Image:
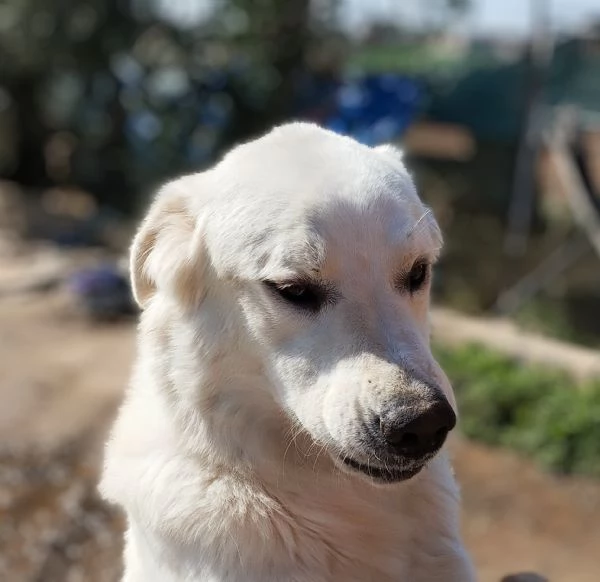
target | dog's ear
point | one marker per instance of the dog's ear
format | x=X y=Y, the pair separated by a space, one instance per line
x=167 y=254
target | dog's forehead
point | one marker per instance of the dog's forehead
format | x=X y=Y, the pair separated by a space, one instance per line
x=304 y=161
x=302 y=192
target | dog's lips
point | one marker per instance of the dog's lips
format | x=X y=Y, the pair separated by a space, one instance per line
x=384 y=475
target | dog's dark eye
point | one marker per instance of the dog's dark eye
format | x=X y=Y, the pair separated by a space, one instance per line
x=417 y=277
x=303 y=295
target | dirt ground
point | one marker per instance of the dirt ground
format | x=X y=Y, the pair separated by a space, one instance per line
x=61 y=380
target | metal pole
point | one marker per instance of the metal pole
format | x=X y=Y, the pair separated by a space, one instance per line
x=522 y=202
x=559 y=261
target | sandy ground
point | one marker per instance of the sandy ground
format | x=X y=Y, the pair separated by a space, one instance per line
x=61 y=380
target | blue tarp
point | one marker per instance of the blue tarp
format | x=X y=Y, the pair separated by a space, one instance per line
x=373 y=109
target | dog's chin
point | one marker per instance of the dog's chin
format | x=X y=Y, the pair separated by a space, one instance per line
x=381 y=475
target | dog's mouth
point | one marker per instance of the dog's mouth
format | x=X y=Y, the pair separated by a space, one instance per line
x=384 y=474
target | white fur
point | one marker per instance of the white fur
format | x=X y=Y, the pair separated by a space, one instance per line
x=226 y=453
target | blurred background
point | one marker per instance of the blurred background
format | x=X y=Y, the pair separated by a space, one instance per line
x=497 y=106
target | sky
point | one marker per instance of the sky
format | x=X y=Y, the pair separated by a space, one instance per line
x=495 y=17
x=487 y=17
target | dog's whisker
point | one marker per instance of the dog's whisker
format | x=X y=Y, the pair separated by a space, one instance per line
x=293 y=432
x=425 y=221
x=323 y=448
x=340 y=472
x=313 y=445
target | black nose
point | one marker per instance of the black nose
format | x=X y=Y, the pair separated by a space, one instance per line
x=416 y=433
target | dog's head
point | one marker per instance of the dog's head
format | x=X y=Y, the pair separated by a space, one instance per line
x=321 y=253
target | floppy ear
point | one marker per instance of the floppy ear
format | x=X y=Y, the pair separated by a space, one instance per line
x=167 y=254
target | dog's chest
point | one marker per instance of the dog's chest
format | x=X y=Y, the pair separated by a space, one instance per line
x=342 y=538
x=226 y=528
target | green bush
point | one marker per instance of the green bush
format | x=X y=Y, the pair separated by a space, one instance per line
x=535 y=410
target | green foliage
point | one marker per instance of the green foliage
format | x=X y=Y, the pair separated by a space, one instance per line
x=534 y=410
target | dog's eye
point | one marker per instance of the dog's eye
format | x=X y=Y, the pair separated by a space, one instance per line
x=302 y=295
x=417 y=277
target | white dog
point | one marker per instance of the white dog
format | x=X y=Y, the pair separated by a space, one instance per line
x=286 y=417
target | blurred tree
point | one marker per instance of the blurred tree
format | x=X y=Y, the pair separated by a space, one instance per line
x=281 y=28
x=139 y=89
x=53 y=58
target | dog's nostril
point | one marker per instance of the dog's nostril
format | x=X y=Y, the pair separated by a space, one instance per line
x=441 y=433
x=399 y=438
x=409 y=439
x=440 y=436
